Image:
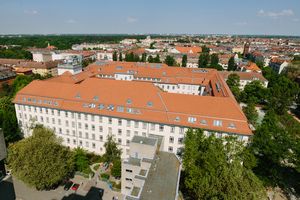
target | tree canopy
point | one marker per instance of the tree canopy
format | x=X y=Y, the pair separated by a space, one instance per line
x=233 y=83
x=218 y=168
x=170 y=61
x=184 y=60
x=40 y=160
x=231 y=64
x=112 y=152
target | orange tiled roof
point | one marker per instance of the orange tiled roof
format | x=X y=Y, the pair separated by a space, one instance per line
x=166 y=108
x=189 y=50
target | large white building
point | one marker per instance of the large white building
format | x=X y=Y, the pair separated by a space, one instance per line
x=84 y=109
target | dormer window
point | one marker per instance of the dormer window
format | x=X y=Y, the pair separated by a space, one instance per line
x=192 y=119
x=232 y=126
x=96 y=98
x=217 y=122
x=129 y=101
x=203 y=122
x=77 y=96
x=150 y=103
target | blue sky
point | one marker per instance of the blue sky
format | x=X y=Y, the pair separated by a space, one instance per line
x=276 y=17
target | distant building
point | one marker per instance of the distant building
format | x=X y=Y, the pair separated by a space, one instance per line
x=246 y=77
x=7 y=75
x=278 y=65
x=42 y=68
x=128 y=41
x=149 y=173
x=71 y=64
x=246 y=50
x=105 y=55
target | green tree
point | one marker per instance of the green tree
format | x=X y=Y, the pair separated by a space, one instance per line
x=170 y=61
x=112 y=152
x=283 y=92
x=214 y=169
x=150 y=59
x=205 y=49
x=81 y=159
x=115 y=56
x=233 y=83
x=120 y=56
x=231 y=64
x=40 y=160
x=8 y=120
x=254 y=92
x=276 y=147
x=144 y=57
x=116 y=168
x=184 y=60
x=157 y=59
x=214 y=60
x=251 y=113
x=203 y=60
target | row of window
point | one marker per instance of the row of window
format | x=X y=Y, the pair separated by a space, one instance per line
x=93 y=128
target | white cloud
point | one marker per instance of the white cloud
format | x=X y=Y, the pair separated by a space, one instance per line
x=131 y=19
x=30 y=12
x=71 y=21
x=275 y=15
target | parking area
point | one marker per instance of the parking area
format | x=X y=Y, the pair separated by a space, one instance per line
x=88 y=189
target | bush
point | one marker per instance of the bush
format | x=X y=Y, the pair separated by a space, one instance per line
x=93 y=158
x=116 y=185
x=96 y=167
x=104 y=176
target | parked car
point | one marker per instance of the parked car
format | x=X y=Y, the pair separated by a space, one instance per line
x=101 y=192
x=75 y=186
x=68 y=185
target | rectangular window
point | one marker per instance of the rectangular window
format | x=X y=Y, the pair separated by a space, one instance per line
x=161 y=128
x=129 y=170
x=172 y=129
x=87 y=144
x=128 y=123
x=93 y=127
x=128 y=179
x=100 y=119
x=128 y=133
x=100 y=129
x=119 y=140
x=86 y=135
x=180 y=140
x=74 y=142
x=78 y=115
x=93 y=136
x=119 y=131
x=66 y=114
x=136 y=124
x=192 y=119
x=92 y=118
x=109 y=130
x=79 y=125
x=170 y=149
x=93 y=145
x=101 y=138
x=120 y=122
x=144 y=125
x=171 y=139
x=217 y=123
x=109 y=120
x=80 y=134
x=85 y=117
x=152 y=127
x=86 y=126
x=59 y=122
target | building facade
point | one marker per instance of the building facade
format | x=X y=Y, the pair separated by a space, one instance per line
x=84 y=113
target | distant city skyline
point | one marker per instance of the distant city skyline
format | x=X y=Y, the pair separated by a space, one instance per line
x=257 y=17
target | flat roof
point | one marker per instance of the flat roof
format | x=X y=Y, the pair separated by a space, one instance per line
x=162 y=179
x=144 y=140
